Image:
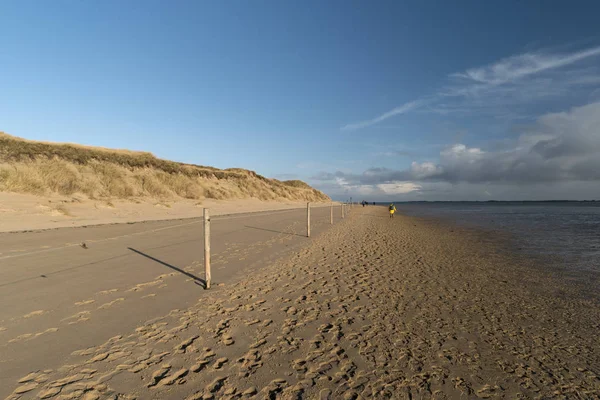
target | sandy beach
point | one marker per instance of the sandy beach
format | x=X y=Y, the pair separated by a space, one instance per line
x=19 y=212
x=368 y=308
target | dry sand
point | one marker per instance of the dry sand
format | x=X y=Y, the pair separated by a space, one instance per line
x=372 y=308
x=20 y=212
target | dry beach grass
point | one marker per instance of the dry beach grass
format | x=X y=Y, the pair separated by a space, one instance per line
x=50 y=185
x=372 y=308
x=66 y=169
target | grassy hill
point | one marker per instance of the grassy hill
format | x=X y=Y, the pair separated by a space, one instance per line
x=55 y=168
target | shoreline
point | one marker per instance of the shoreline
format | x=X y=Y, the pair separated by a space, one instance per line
x=583 y=283
x=370 y=308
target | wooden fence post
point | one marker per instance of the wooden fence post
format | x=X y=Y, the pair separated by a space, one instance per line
x=331 y=214
x=206 y=248
x=342 y=207
x=307 y=219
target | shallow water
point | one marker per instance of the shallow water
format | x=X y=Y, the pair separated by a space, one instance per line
x=565 y=232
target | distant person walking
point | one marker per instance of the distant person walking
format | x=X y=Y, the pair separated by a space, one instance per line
x=392 y=210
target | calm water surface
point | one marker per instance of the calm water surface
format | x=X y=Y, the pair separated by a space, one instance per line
x=567 y=234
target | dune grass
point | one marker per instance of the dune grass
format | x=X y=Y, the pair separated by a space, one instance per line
x=50 y=168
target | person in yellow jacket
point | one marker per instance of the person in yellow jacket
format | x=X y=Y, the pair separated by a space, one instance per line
x=392 y=210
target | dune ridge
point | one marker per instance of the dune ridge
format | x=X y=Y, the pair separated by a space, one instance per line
x=42 y=168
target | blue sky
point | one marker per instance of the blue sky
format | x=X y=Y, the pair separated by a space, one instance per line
x=381 y=100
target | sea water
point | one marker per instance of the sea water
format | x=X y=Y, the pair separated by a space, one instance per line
x=564 y=234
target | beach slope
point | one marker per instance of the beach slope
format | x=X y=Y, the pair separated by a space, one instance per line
x=371 y=308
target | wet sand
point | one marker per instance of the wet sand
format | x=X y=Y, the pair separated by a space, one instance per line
x=371 y=308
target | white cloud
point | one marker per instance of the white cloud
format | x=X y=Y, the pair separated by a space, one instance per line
x=399 y=187
x=341 y=186
x=461 y=153
x=424 y=170
x=341 y=181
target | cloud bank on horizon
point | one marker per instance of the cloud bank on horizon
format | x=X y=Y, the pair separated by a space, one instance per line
x=554 y=154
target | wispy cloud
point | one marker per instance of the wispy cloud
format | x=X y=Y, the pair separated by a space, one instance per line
x=404 y=108
x=502 y=89
x=522 y=65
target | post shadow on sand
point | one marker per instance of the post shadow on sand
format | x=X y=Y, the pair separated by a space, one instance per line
x=196 y=279
x=274 y=231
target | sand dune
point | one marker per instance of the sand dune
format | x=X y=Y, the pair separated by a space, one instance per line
x=44 y=185
x=372 y=308
x=42 y=168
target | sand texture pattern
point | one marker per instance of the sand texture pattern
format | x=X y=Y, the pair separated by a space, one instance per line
x=371 y=308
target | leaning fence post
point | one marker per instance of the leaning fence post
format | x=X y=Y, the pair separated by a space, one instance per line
x=331 y=214
x=207 y=248
x=307 y=219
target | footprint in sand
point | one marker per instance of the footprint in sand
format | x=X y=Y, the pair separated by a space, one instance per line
x=29 y=336
x=109 y=304
x=77 y=318
x=49 y=330
x=21 y=337
x=108 y=291
x=35 y=313
x=142 y=286
x=163 y=276
x=85 y=302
